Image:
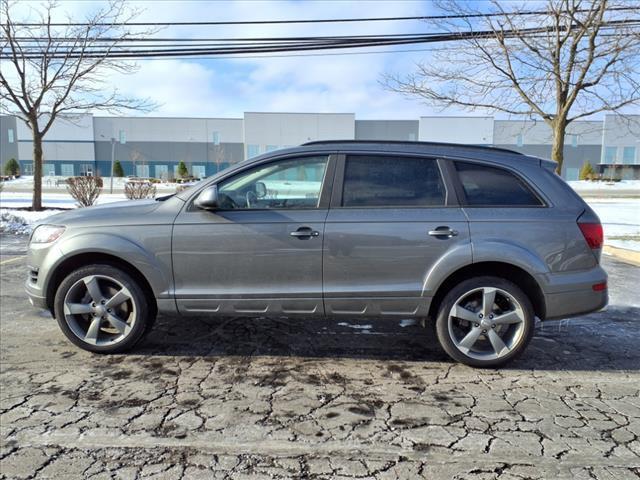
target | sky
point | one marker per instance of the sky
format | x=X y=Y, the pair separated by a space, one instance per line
x=311 y=83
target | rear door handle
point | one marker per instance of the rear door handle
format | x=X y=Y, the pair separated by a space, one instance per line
x=305 y=232
x=443 y=232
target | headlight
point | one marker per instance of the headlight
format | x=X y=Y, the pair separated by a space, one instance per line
x=46 y=233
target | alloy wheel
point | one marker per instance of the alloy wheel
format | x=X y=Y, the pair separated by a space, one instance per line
x=486 y=323
x=99 y=310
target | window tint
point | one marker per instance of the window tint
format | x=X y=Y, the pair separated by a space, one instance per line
x=392 y=182
x=282 y=184
x=493 y=186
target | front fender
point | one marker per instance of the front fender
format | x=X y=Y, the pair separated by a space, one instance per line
x=118 y=246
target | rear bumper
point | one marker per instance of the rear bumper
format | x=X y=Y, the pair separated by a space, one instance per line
x=572 y=294
x=571 y=304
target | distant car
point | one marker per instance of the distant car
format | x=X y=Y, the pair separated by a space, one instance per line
x=477 y=240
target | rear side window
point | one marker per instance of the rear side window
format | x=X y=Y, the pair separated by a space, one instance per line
x=491 y=186
x=390 y=181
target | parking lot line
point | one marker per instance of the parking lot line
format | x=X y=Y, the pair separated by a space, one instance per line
x=4 y=262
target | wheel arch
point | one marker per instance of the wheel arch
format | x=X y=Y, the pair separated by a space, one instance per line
x=523 y=279
x=71 y=263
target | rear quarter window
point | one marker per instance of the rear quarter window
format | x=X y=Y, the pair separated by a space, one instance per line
x=492 y=186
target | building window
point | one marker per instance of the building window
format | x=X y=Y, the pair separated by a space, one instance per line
x=48 y=170
x=572 y=174
x=216 y=138
x=253 y=150
x=86 y=169
x=198 y=171
x=122 y=137
x=610 y=154
x=162 y=172
x=142 y=171
x=66 y=169
x=271 y=148
x=574 y=140
x=629 y=155
x=10 y=135
x=519 y=140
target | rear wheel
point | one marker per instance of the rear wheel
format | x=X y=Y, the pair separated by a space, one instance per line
x=102 y=309
x=485 y=322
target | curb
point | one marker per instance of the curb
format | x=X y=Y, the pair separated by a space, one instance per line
x=623 y=254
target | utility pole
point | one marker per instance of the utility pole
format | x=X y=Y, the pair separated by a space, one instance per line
x=113 y=156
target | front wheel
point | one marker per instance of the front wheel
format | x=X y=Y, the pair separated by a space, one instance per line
x=485 y=322
x=102 y=309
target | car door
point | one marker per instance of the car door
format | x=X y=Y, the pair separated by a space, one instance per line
x=260 y=252
x=392 y=219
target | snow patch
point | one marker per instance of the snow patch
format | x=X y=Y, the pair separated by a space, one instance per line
x=20 y=222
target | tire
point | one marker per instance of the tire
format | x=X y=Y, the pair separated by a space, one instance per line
x=109 y=323
x=468 y=332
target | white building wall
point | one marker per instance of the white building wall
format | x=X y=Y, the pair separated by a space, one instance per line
x=150 y=129
x=512 y=132
x=72 y=129
x=468 y=130
x=268 y=130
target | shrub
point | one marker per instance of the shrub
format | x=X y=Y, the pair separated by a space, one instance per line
x=84 y=190
x=118 y=171
x=139 y=190
x=182 y=169
x=12 y=167
x=586 y=172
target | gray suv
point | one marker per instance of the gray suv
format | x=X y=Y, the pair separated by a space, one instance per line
x=478 y=240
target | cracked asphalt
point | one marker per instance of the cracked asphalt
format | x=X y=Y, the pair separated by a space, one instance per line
x=255 y=398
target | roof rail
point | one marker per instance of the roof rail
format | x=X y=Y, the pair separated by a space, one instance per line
x=402 y=142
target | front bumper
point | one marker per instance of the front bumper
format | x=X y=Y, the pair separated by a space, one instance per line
x=35 y=296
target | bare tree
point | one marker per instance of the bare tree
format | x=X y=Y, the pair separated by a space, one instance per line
x=47 y=73
x=576 y=59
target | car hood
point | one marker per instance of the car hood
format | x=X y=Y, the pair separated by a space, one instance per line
x=129 y=212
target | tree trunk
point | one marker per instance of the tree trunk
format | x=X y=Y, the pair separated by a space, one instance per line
x=557 y=148
x=36 y=205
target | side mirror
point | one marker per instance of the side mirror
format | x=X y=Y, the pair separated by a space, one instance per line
x=261 y=190
x=208 y=199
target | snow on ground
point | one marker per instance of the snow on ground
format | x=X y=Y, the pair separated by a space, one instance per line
x=623 y=186
x=620 y=219
x=52 y=200
x=20 y=222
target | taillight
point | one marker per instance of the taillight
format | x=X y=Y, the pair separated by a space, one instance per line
x=593 y=234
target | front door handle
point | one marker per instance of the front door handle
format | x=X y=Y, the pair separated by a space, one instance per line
x=443 y=231
x=305 y=232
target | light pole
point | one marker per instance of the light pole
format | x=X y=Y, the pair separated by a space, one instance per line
x=113 y=156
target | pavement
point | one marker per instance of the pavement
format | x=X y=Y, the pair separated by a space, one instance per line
x=256 y=398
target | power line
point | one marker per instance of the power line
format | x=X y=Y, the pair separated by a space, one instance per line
x=292 y=44
x=323 y=20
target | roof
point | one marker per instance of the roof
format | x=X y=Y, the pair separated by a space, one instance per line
x=423 y=146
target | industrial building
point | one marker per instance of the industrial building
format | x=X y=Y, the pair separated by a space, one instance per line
x=153 y=146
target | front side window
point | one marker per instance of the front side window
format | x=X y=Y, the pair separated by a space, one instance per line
x=282 y=184
x=390 y=181
x=491 y=186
